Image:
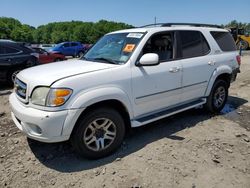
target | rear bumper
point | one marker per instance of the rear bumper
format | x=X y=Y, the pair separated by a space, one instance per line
x=234 y=74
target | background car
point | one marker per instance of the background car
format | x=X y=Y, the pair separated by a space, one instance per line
x=46 y=46
x=48 y=57
x=15 y=57
x=74 y=49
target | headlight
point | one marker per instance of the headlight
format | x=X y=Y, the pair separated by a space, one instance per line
x=39 y=96
x=58 y=97
x=45 y=96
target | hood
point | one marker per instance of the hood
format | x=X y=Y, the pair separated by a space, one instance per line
x=54 y=52
x=49 y=73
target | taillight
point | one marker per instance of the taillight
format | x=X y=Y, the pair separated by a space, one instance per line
x=238 y=58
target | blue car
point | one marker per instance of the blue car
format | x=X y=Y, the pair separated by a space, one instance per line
x=75 y=49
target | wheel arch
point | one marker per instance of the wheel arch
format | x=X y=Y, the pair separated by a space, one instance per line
x=89 y=101
x=111 y=103
x=224 y=73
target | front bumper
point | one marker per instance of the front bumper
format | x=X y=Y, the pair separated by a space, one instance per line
x=40 y=125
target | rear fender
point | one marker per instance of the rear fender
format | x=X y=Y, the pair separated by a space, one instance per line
x=217 y=72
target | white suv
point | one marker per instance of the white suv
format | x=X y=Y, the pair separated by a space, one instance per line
x=129 y=78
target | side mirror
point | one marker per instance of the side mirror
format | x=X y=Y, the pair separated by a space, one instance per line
x=149 y=59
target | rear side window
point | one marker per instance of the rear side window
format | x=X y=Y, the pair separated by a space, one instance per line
x=66 y=45
x=4 y=50
x=224 y=40
x=74 y=44
x=193 y=44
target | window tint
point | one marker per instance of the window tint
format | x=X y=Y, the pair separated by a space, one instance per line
x=2 y=50
x=74 y=44
x=8 y=50
x=161 y=44
x=66 y=45
x=193 y=44
x=224 y=40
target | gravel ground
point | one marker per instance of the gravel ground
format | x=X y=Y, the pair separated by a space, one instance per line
x=191 y=149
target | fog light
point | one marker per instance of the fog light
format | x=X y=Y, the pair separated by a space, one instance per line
x=34 y=129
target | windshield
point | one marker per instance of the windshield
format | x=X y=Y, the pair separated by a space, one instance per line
x=114 y=48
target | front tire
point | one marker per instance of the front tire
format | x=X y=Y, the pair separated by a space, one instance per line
x=98 y=133
x=57 y=59
x=218 y=96
x=80 y=54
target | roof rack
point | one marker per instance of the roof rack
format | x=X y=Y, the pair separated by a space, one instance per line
x=181 y=24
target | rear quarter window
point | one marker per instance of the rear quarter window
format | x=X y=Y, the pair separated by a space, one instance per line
x=224 y=40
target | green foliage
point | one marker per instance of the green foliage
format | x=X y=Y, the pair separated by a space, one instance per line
x=85 y=32
x=240 y=25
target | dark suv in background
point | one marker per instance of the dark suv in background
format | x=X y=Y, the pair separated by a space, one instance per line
x=15 y=57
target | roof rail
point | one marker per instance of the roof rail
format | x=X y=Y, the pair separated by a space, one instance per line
x=181 y=24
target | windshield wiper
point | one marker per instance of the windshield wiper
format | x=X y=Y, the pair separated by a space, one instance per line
x=106 y=60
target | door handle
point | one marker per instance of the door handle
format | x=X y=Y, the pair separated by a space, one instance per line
x=174 y=69
x=211 y=63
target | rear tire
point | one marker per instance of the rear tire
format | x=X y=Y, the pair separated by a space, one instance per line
x=218 y=96
x=98 y=133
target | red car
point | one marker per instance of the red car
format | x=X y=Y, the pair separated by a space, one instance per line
x=48 y=57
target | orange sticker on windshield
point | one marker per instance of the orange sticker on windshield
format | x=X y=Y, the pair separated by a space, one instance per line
x=129 y=48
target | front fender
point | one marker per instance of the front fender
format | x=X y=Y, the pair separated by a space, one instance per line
x=87 y=98
x=224 y=69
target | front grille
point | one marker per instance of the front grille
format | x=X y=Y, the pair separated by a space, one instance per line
x=21 y=88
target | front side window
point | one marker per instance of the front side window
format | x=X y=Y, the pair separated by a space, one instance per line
x=161 y=44
x=193 y=44
x=114 y=48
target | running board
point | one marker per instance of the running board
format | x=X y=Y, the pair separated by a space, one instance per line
x=167 y=112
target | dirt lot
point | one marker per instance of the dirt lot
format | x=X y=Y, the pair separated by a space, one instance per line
x=191 y=149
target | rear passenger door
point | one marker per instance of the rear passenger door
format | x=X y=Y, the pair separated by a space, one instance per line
x=73 y=48
x=9 y=55
x=197 y=64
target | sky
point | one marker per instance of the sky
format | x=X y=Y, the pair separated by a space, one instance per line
x=134 y=12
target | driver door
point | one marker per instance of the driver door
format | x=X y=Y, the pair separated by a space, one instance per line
x=157 y=87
